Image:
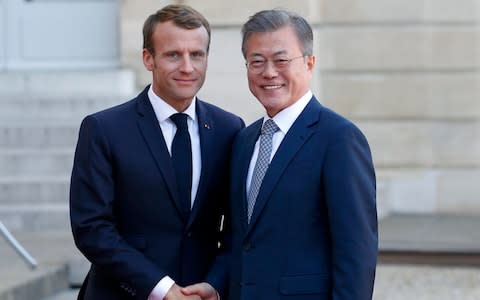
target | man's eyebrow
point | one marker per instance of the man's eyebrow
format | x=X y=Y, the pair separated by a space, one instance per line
x=281 y=52
x=255 y=54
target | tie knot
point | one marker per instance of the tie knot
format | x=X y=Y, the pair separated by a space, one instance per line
x=180 y=119
x=269 y=127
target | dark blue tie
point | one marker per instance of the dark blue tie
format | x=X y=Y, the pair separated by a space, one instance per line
x=182 y=160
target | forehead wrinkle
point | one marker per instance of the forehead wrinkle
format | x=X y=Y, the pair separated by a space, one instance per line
x=280 y=52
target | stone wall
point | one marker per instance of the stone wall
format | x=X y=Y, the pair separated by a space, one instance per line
x=405 y=72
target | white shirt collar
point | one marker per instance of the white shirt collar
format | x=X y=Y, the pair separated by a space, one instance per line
x=285 y=118
x=163 y=110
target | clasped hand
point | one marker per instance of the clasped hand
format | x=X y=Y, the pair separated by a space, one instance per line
x=199 y=291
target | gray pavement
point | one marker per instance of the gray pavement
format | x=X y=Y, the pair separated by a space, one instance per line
x=414 y=282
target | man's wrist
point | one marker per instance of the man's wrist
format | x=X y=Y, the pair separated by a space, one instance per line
x=161 y=289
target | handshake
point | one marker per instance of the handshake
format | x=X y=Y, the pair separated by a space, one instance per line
x=199 y=291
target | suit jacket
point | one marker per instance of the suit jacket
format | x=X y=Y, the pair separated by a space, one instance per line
x=313 y=232
x=125 y=212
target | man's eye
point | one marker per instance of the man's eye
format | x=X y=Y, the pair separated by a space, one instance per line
x=198 y=54
x=172 y=55
x=257 y=63
x=281 y=62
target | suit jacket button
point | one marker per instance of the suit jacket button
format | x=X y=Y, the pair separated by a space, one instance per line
x=189 y=234
x=247 y=247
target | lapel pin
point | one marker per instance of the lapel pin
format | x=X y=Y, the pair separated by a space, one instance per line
x=206 y=126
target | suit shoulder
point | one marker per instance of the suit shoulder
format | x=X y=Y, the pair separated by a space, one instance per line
x=338 y=127
x=333 y=119
x=121 y=111
x=118 y=109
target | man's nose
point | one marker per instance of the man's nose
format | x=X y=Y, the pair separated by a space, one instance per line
x=270 y=70
x=186 y=64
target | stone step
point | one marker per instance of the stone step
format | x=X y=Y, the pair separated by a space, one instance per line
x=33 y=162
x=41 y=134
x=68 y=294
x=63 y=84
x=34 y=190
x=53 y=250
x=35 y=218
x=18 y=284
x=22 y=108
x=430 y=239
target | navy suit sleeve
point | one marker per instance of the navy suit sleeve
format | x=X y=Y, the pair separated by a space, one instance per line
x=219 y=273
x=92 y=214
x=350 y=190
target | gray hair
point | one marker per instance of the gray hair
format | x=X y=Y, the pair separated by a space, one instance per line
x=274 y=19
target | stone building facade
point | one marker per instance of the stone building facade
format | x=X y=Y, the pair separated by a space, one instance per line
x=406 y=72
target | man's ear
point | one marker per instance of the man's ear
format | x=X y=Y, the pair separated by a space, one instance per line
x=148 y=61
x=311 y=59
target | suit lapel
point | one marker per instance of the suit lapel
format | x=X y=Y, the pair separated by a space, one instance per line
x=152 y=133
x=297 y=135
x=206 y=131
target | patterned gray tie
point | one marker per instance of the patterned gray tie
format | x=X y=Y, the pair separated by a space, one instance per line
x=261 y=166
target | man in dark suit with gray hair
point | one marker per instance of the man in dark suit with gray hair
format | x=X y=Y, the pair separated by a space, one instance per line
x=303 y=220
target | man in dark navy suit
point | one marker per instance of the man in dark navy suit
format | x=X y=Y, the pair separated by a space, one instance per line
x=303 y=214
x=150 y=177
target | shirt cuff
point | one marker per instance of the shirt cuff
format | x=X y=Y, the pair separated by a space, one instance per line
x=161 y=289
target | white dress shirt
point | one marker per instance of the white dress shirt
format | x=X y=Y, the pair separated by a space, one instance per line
x=284 y=120
x=163 y=111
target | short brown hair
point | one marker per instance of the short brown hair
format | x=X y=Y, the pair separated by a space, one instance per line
x=182 y=16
